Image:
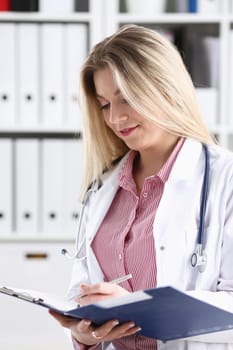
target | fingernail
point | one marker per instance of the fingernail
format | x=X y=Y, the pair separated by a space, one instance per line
x=95 y=335
x=115 y=323
x=87 y=322
x=131 y=325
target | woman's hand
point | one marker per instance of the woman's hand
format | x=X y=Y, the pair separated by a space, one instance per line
x=91 y=293
x=84 y=331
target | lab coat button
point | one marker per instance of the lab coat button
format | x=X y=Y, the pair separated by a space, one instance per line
x=162 y=247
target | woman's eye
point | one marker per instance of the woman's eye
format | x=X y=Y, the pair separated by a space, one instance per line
x=104 y=106
x=123 y=100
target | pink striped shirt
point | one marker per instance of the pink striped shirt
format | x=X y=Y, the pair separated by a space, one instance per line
x=124 y=242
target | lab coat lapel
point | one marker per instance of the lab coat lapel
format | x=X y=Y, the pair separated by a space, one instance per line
x=176 y=211
x=100 y=204
x=102 y=200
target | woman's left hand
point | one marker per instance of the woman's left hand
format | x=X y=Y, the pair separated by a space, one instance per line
x=83 y=330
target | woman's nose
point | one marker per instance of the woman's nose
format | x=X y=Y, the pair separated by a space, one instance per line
x=117 y=115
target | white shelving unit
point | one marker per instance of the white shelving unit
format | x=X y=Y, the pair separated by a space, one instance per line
x=92 y=21
x=32 y=260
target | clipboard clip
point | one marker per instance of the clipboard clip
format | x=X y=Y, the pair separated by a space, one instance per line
x=21 y=295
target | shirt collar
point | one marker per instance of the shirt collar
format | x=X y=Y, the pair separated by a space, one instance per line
x=126 y=173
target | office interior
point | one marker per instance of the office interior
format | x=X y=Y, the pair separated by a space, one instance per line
x=43 y=44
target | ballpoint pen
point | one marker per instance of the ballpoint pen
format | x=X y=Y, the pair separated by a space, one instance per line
x=116 y=281
x=120 y=279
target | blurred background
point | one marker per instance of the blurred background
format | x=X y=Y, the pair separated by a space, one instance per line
x=43 y=44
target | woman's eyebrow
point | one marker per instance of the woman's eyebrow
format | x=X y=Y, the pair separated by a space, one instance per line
x=117 y=92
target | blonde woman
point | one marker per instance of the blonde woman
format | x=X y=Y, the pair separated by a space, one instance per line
x=146 y=161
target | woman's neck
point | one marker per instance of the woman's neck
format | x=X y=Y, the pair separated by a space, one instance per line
x=150 y=162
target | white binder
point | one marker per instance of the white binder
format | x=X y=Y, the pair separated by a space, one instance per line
x=56 y=5
x=208 y=104
x=27 y=186
x=209 y=6
x=52 y=74
x=76 y=51
x=7 y=74
x=52 y=186
x=28 y=74
x=6 y=183
x=73 y=176
x=212 y=44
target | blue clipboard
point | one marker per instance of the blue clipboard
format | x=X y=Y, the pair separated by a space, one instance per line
x=163 y=313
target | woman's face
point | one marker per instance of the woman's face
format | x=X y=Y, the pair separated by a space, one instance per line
x=136 y=131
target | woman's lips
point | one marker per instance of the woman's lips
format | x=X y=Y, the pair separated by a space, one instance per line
x=127 y=131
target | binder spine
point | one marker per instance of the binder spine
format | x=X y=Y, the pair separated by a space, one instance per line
x=192 y=6
x=4 y=5
x=24 y=5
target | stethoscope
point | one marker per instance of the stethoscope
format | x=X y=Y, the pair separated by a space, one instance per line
x=94 y=187
x=198 y=258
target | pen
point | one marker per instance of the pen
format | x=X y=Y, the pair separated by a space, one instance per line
x=116 y=281
x=121 y=279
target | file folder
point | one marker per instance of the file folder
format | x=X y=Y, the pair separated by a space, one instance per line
x=7 y=74
x=73 y=175
x=76 y=50
x=6 y=187
x=208 y=104
x=28 y=74
x=56 y=6
x=163 y=313
x=52 y=155
x=52 y=75
x=4 y=5
x=209 y=6
x=27 y=187
x=24 y=5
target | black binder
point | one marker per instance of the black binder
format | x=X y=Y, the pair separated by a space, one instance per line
x=24 y=5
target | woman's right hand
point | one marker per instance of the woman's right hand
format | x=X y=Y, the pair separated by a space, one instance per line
x=86 y=333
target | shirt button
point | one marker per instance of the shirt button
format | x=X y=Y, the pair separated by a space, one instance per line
x=145 y=194
x=120 y=257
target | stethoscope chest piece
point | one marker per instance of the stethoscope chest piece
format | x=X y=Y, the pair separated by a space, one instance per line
x=199 y=260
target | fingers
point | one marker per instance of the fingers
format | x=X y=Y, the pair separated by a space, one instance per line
x=84 y=326
x=65 y=321
x=102 y=331
x=99 y=292
x=84 y=332
x=112 y=330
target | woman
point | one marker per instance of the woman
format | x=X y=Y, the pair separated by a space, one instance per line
x=143 y=136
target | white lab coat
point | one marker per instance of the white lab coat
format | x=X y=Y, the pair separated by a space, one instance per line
x=175 y=235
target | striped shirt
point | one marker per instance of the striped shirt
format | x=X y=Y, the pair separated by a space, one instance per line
x=127 y=233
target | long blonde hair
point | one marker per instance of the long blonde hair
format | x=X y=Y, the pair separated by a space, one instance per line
x=151 y=75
